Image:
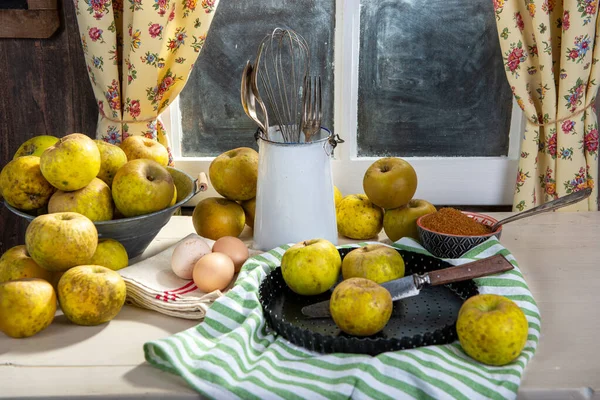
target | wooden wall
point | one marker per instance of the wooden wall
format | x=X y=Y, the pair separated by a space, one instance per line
x=44 y=89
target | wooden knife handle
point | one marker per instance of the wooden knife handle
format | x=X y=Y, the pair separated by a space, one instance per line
x=487 y=266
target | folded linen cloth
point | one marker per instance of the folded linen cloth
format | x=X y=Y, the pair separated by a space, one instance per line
x=152 y=284
x=234 y=354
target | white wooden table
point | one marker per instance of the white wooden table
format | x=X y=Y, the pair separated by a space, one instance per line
x=558 y=253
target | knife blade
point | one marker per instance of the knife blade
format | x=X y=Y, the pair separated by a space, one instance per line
x=411 y=285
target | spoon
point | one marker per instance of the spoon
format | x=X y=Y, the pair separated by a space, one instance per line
x=255 y=92
x=248 y=98
x=551 y=205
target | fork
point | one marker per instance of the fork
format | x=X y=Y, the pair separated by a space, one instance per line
x=312 y=113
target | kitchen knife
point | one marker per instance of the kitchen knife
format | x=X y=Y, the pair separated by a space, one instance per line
x=411 y=285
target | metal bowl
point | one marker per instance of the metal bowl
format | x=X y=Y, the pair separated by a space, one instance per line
x=445 y=245
x=136 y=233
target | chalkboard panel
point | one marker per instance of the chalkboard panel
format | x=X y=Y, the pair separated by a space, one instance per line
x=13 y=4
x=431 y=80
x=212 y=115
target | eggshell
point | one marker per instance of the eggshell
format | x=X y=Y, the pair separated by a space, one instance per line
x=185 y=256
x=234 y=248
x=212 y=272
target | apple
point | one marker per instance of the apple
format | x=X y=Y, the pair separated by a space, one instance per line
x=15 y=264
x=249 y=207
x=337 y=196
x=138 y=147
x=311 y=267
x=360 y=307
x=215 y=217
x=71 y=163
x=358 y=218
x=22 y=184
x=491 y=329
x=112 y=158
x=27 y=307
x=94 y=201
x=390 y=182
x=375 y=262
x=35 y=146
x=174 y=199
x=402 y=221
x=91 y=294
x=110 y=254
x=60 y=241
x=234 y=174
x=141 y=187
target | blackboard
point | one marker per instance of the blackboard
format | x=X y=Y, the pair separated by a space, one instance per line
x=431 y=80
x=212 y=116
x=13 y=4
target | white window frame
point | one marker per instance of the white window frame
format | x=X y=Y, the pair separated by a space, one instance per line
x=442 y=180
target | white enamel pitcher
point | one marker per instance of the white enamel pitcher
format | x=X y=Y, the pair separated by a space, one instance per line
x=294 y=197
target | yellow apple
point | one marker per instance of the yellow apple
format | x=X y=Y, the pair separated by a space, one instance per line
x=112 y=158
x=375 y=262
x=60 y=241
x=94 y=201
x=137 y=147
x=249 y=207
x=91 y=294
x=390 y=182
x=27 y=307
x=215 y=217
x=174 y=199
x=71 y=163
x=311 y=267
x=337 y=196
x=358 y=217
x=402 y=221
x=492 y=329
x=35 y=146
x=234 y=174
x=110 y=254
x=22 y=184
x=360 y=306
x=15 y=264
x=141 y=187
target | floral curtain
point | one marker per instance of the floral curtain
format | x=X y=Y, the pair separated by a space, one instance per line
x=139 y=54
x=551 y=63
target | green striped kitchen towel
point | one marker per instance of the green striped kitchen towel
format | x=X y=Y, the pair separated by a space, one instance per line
x=234 y=354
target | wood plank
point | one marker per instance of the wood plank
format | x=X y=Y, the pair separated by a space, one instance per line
x=29 y=24
x=42 y=5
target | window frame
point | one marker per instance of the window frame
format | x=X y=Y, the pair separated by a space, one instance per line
x=442 y=180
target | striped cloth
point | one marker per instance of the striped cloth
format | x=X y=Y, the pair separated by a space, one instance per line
x=233 y=354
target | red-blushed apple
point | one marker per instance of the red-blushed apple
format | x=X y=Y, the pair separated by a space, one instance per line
x=140 y=147
x=390 y=182
x=234 y=174
x=402 y=221
x=375 y=262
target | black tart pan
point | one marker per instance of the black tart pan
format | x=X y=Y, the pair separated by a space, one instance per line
x=423 y=320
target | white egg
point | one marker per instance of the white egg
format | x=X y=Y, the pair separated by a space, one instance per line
x=185 y=256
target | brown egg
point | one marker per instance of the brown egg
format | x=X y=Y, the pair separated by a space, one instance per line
x=234 y=248
x=213 y=271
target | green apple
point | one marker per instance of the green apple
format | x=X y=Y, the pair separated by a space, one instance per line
x=141 y=187
x=215 y=217
x=375 y=262
x=94 y=201
x=91 y=294
x=358 y=218
x=390 y=182
x=60 y=241
x=249 y=207
x=402 y=221
x=112 y=158
x=360 y=306
x=35 y=146
x=71 y=163
x=492 y=329
x=311 y=267
x=110 y=254
x=22 y=184
x=27 y=307
x=234 y=174
x=15 y=264
x=138 y=147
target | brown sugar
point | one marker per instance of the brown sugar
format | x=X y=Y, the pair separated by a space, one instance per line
x=452 y=221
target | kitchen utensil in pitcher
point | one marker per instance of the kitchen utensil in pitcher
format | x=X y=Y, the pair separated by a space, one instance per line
x=550 y=206
x=249 y=100
x=312 y=112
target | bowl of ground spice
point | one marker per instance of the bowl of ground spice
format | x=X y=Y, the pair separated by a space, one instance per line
x=449 y=233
